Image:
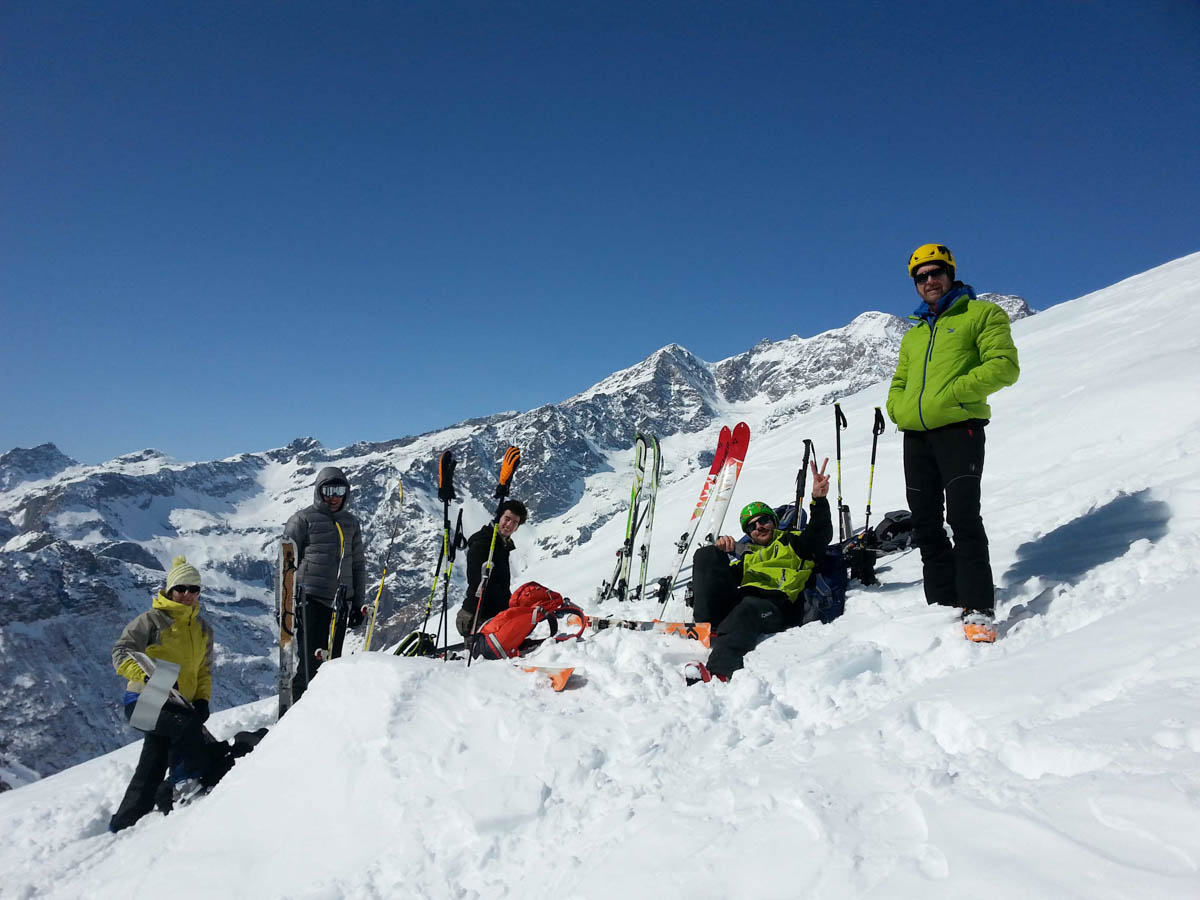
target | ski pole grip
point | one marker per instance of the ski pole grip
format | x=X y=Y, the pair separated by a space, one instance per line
x=839 y=416
x=484 y=576
x=446 y=466
x=880 y=424
x=802 y=478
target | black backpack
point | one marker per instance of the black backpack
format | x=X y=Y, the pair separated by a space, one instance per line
x=893 y=533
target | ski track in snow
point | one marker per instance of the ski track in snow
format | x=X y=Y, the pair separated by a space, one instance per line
x=878 y=756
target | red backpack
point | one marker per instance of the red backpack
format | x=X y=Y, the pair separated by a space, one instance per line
x=506 y=635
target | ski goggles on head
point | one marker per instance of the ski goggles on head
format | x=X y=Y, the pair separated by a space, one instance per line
x=334 y=490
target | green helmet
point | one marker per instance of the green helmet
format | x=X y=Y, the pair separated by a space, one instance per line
x=755 y=509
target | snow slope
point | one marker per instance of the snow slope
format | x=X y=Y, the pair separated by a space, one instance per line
x=877 y=756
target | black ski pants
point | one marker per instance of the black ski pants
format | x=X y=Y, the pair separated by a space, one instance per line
x=177 y=738
x=312 y=635
x=738 y=620
x=942 y=472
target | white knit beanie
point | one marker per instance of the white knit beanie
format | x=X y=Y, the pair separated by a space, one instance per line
x=181 y=573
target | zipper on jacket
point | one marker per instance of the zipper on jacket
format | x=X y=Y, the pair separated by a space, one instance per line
x=925 y=374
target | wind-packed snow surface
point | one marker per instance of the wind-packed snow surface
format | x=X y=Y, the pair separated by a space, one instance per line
x=880 y=755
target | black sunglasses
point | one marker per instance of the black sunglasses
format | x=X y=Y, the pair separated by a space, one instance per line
x=335 y=490
x=923 y=277
x=755 y=524
x=187 y=588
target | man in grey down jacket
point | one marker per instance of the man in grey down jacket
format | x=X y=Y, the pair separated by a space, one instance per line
x=329 y=551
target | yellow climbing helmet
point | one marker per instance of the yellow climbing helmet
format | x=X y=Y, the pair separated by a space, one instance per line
x=931 y=253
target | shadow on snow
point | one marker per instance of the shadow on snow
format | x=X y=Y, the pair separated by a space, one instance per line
x=1066 y=554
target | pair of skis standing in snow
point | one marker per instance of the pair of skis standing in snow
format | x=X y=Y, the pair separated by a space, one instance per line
x=642 y=500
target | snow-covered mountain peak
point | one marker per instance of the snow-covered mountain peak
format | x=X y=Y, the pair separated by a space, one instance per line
x=33 y=464
x=670 y=364
x=838 y=361
x=1015 y=306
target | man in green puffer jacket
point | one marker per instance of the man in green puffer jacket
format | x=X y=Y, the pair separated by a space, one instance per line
x=959 y=352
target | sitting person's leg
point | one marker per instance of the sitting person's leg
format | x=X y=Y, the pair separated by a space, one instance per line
x=714 y=585
x=740 y=631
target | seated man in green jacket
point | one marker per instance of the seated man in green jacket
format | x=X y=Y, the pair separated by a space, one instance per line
x=762 y=592
x=960 y=351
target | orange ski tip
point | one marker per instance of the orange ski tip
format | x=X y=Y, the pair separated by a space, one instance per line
x=558 y=677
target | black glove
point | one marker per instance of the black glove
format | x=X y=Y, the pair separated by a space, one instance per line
x=356 y=616
x=201 y=708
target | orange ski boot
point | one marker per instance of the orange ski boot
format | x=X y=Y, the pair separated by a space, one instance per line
x=979 y=627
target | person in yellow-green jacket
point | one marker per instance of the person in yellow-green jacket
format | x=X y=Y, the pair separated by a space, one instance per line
x=959 y=352
x=762 y=592
x=171 y=630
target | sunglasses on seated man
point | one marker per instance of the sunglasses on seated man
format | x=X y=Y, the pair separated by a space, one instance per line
x=759 y=522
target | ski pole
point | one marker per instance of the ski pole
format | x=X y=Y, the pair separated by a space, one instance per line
x=304 y=618
x=458 y=543
x=839 y=422
x=876 y=430
x=484 y=580
x=802 y=481
x=338 y=599
x=446 y=465
x=508 y=468
x=399 y=495
x=437 y=572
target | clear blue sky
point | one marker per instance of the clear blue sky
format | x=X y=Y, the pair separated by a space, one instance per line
x=227 y=224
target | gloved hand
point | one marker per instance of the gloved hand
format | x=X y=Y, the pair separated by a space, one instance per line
x=356 y=616
x=508 y=468
x=201 y=708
